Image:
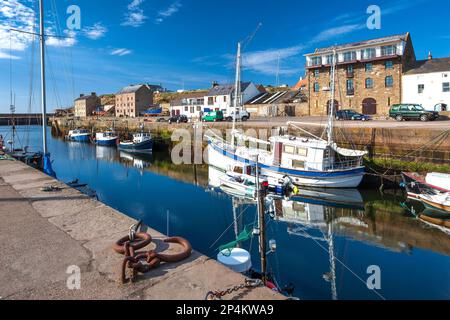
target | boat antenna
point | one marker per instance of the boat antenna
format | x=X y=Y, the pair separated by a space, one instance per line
x=331 y=104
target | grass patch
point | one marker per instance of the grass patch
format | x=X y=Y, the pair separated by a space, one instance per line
x=399 y=165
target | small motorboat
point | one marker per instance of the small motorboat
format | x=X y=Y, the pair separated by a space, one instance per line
x=108 y=138
x=433 y=183
x=79 y=135
x=439 y=201
x=244 y=186
x=142 y=143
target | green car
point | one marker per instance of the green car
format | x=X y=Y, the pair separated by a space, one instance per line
x=406 y=111
x=213 y=116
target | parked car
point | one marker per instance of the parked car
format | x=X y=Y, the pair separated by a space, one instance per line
x=351 y=115
x=241 y=115
x=178 y=119
x=405 y=111
x=213 y=116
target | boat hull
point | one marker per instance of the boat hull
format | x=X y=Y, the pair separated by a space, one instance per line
x=106 y=142
x=142 y=147
x=350 y=178
x=80 y=138
x=434 y=205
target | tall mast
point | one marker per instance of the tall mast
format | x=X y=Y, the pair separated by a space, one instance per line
x=237 y=91
x=43 y=92
x=331 y=106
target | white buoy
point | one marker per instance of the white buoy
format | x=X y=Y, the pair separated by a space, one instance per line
x=238 y=259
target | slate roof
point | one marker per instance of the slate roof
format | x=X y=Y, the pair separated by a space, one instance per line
x=276 y=97
x=187 y=95
x=399 y=37
x=429 y=66
x=226 y=89
x=130 y=89
x=87 y=97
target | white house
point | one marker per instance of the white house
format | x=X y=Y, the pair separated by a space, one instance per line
x=190 y=104
x=220 y=97
x=428 y=84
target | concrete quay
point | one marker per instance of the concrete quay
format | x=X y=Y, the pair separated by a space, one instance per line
x=42 y=234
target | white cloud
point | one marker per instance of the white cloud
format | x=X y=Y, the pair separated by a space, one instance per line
x=53 y=40
x=15 y=15
x=4 y=55
x=135 y=16
x=166 y=13
x=335 y=32
x=120 y=52
x=95 y=32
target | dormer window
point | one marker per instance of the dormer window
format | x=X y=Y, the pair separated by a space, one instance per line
x=316 y=61
x=388 y=50
x=349 y=56
x=368 y=53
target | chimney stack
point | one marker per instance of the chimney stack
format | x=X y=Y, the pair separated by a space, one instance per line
x=93 y=94
x=430 y=56
x=215 y=84
x=81 y=95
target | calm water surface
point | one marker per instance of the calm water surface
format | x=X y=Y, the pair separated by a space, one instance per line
x=365 y=227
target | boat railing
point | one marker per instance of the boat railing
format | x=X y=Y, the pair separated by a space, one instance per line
x=342 y=165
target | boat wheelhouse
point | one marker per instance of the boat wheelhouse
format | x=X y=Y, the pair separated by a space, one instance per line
x=79 y=135
x=108 y=138
x=142 y=143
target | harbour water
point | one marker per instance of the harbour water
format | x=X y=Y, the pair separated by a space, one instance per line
x=363 y=228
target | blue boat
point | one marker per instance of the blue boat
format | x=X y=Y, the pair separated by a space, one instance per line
x=79 y=135
x=108 y=138
x=142 y=143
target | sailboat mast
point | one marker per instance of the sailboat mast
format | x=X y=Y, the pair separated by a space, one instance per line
x=331 y=105
x=237 y=91
x=43 y=88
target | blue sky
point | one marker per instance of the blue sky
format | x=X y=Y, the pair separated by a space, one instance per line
x=191 y=43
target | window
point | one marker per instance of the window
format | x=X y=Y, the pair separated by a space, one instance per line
x=192 y=109
x=368 y=53
x=388 y=50
x=350 y=87
x=446 y=87
x=369 y=67
x=289 y=149
x=298 y=164
x=369 y=83
x=316 y=72
x=389 y=82
x=349 y=56
x=329 y=59
x=316 y=87
x=420 y=88
x=316 y=61
x=224 y=98
x=389 y=65
x=186 y=109
x=199 y=108
x=302 y=152
x=210 y=101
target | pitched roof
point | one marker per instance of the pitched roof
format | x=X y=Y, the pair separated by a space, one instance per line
x=300 y=84
x=429 y=66
x=399 y=37
x=187 y=95
x=226 y=89
x=92 y=96
x=277 y=97
x=130 y=89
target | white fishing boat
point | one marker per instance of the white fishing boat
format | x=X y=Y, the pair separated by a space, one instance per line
x=108 y=138
x=244 y=186
x=307 y=161
x=79 y=135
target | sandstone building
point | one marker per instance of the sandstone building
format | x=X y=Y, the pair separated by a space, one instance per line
x=86 y=105
x=368 y=75
x=133 y=100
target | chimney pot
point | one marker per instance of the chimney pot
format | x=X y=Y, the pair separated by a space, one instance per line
x=81 y=95
x=93 y=93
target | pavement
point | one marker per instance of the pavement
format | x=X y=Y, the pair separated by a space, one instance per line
x=44 y=236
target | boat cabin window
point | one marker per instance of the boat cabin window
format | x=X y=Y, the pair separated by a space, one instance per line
x=289 y=149
x=298 y=164
x=302 y=152
x=238 y=170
